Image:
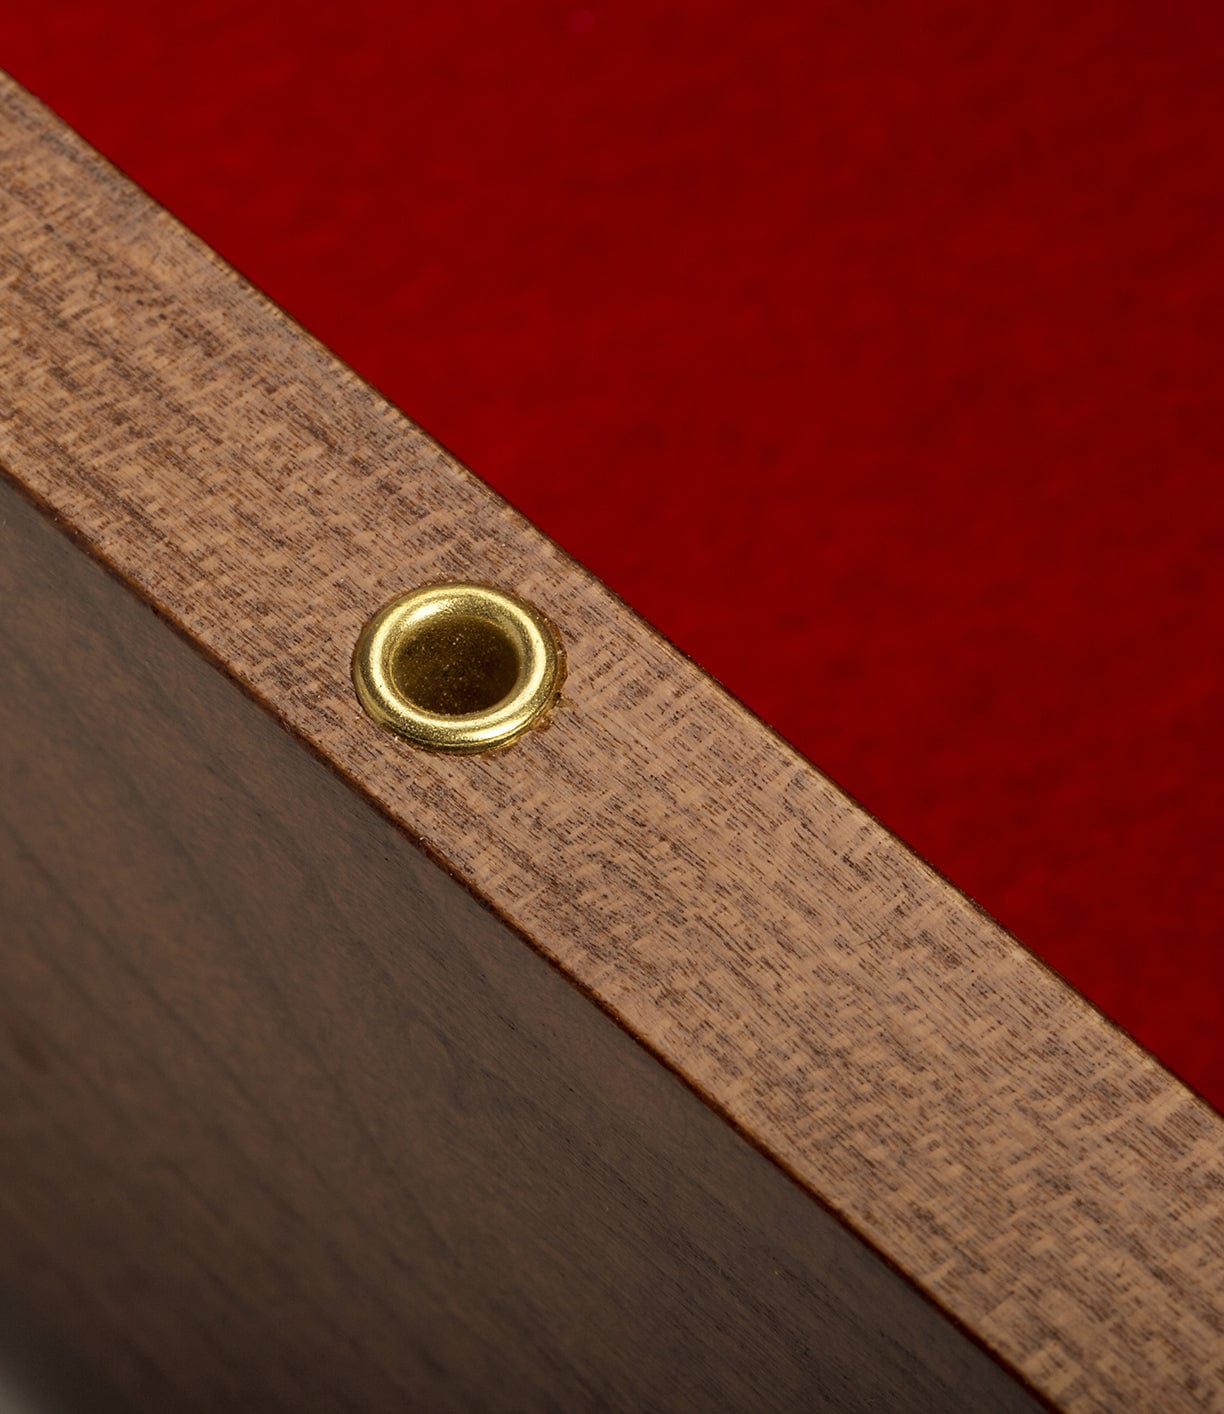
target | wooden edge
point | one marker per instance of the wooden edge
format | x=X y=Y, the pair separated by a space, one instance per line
x=861 y=1022
x=291 y=1120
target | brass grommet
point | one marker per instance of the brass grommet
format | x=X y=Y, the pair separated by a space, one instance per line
x=458 y=667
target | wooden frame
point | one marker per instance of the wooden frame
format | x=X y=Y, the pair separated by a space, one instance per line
x=992 y=1140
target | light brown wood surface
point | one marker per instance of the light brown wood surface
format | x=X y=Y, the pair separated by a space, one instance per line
x=861 y=1022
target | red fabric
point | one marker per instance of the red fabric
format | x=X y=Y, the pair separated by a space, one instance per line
x=871 y=352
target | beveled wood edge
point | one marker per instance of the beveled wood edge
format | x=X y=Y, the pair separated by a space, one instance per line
x=913 y=1067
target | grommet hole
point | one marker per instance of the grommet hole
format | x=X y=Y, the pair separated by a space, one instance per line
x=456 y=664
x=458 y=667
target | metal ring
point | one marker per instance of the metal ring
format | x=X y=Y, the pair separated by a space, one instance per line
x=458 y=667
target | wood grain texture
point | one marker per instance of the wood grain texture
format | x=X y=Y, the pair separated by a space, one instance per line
x=888 y=1045
x=291 y=1121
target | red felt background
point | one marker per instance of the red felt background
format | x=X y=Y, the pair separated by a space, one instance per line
x=873 y=352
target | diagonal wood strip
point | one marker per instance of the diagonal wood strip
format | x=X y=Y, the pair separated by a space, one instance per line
x=857 y=1018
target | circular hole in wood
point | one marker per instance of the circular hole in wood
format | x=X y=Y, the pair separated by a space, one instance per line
x=455 y=665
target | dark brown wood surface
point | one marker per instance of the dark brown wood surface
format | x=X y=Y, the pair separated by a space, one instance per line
x=906 y=1061
x=289 y=1119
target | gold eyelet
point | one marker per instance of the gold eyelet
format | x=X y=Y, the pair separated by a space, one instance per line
x=458 y=667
